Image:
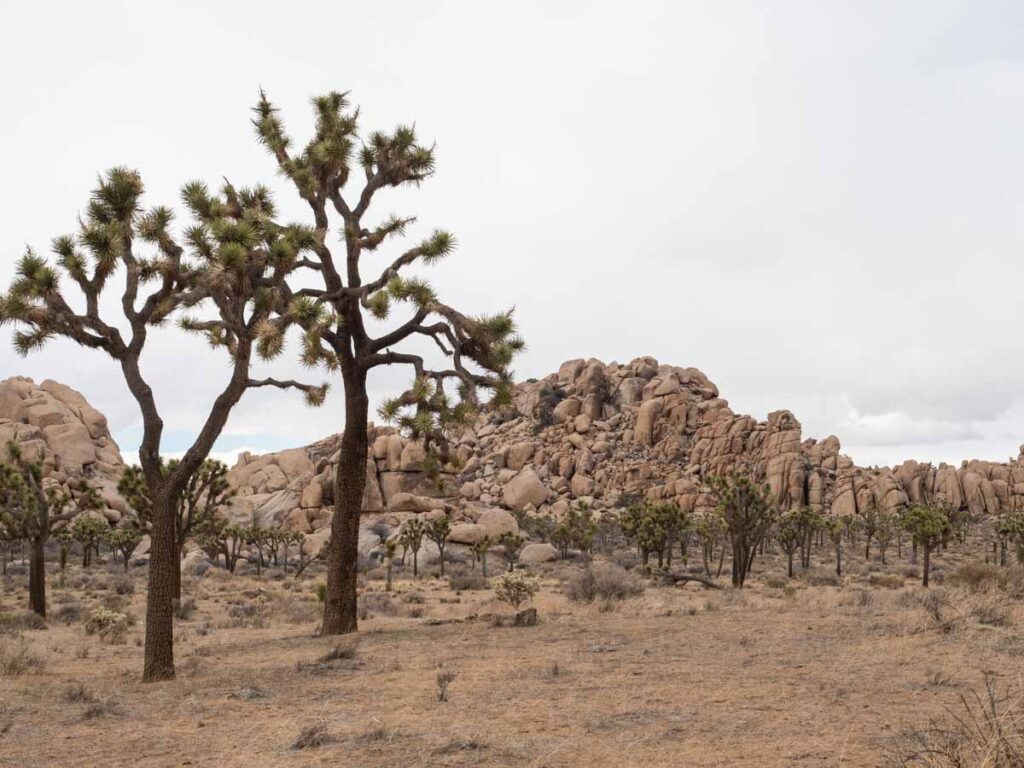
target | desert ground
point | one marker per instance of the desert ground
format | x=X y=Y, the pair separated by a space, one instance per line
x=816 y=670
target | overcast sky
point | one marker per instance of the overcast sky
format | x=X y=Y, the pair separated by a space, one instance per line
x=818 y=204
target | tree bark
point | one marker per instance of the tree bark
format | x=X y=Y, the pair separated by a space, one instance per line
x=159 y=648
x=349 y=483
x=927 y=565
x=37 y=576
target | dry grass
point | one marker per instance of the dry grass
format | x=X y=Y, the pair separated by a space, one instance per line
x=816 y=670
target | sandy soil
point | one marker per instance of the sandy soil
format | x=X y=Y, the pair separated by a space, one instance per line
x=781 y=674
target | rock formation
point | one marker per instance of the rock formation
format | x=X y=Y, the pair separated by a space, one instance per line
x=603 y=434
x=54 y=423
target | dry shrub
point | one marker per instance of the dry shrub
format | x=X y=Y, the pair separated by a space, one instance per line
x=983 y=577
x=102 y=709
x=77 y=693
x=991 y=613
x=467 y=582
x=377 y=604
x=822 y=577
x=16 y=659
x=987 y=728
x=886 y=580
x=311 y=737
x=253 y=613
x=16 y=623
x=111 y=626
x=124 y=585
x=605 y=581
x=457 y=744
x=775 y=582
x=186 y=607
x=445 y=677
x=70 y=613
x=343 y=650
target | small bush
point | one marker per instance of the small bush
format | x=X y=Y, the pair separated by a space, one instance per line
x=467 y=582
x=445 y=677
x=16 y=659
x=341 y=650
x=15 y=623
x=605 y=581
x=987 y=730
x=102 y=709
x=321 y=592
x=775 y=582
x=992 y=614
x=69 y=613
x=886 y=580
x=186 y=607
x=78 y=694
x=311 y=737
x=379 y=604
x=111 y=626
x=124 y=585
x=249 y=613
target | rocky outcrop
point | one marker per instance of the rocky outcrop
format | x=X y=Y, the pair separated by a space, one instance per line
x=54 y=424
x=590 y=433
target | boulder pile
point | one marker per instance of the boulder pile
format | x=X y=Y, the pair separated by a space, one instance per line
x=55 y=424
x=595 y=433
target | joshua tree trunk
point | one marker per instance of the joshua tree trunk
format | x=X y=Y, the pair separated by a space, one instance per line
x=790 y=564
x=37 y=576
x=349 y=483
x=163 y=565
x=839 y=558
x=926 y=566
x=179 y=547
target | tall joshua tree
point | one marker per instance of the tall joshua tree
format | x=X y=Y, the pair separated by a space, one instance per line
x=234 y=263
x=339 y=310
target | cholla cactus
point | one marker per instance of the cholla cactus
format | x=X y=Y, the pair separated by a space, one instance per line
x=340 y=311
x=515 y=588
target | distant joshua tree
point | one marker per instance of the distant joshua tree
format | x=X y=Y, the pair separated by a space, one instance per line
x=928 y=527
x=337 y=310
x=749 y=512
x=437 y=531
x=235 y=260
x=29 y=512
x=206 y=491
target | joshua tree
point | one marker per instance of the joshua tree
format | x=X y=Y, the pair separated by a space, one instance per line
x=748 y=510
x=338 y=310
x=884 y=534
x=412 y=539
x=871 y=520
x=89 y=532
x=789 y=535
x=513 y=546
x=206 y=491
x=836 y=528
x=437 y=531
x=927 y=526
x=124 y=540
x=480 y=549
x=29 y=512
x=239 y=259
